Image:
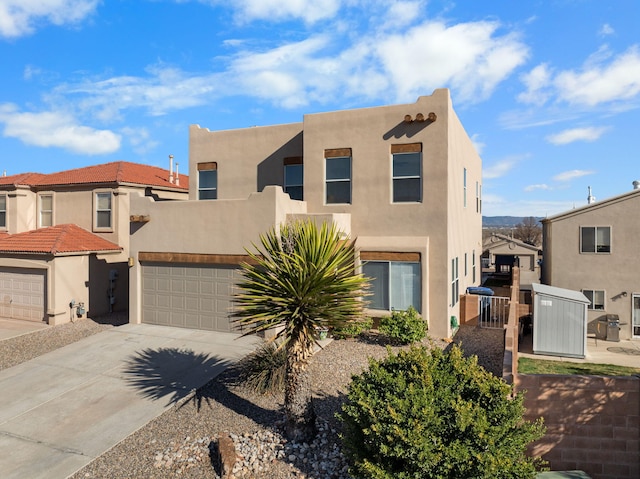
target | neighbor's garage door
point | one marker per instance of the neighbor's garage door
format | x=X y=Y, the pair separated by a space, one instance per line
x=22 y=294
x=188 y=296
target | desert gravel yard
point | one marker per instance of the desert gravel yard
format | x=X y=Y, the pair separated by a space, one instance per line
x=182 y=441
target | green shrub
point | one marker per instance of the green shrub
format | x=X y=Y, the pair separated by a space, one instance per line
x=353 y=329
x=430 y=414
x=263 y=371
x=404 y=326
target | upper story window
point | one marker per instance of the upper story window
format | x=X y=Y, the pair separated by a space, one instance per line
x=293 y=177
x=208 y=181
x=45 y=210
x=3 y=211
x=338 y=176
x=595 y=239
x=104 y=210
x=455 y=282
x=478 y=197
x=407 y=173
x=596 y=297
x=464 y=186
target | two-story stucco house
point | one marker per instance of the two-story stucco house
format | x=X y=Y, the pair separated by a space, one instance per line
x=594 y=249
x=64 y=242
x=404 y=181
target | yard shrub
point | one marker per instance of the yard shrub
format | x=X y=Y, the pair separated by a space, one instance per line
x=405 y=327
x=352 y=328
x=433 y=414
x=263 y=370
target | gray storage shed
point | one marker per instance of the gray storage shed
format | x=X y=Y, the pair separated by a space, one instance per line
x=559 y=321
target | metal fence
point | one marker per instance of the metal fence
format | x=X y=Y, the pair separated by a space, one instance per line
x=493 y=312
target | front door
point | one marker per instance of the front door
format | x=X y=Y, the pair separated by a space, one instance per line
x=636 y=316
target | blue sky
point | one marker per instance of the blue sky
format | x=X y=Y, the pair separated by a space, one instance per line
x=548 y=90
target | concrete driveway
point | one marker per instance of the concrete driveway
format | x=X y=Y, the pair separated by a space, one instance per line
x=63 y=409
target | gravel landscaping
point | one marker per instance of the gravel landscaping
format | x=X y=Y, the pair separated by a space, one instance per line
x=182 y=442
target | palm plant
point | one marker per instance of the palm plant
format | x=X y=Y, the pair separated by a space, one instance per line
x=300 y=279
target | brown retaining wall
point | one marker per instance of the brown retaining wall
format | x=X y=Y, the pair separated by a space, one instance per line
x=593 y=423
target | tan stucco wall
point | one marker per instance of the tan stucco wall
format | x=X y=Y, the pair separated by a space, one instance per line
x=220 y=227
x=248 y=159
x=564 y=266
x=439 y=226
x=464 y=220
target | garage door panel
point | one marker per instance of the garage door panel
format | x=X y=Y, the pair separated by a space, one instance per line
x=199 y=297
x=23 y=294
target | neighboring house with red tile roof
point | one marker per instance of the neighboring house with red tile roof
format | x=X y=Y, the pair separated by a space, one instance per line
x=65 y=236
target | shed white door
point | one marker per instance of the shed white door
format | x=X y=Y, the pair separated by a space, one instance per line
x=198 y=297
x=22 y=294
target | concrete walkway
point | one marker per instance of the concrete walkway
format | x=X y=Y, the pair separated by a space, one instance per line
x=63 y=409
x=10 y=328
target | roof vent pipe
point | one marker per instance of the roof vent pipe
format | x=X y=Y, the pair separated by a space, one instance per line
x=636 y=185
x=177 y=175
x=170 y=168
x=590 y=198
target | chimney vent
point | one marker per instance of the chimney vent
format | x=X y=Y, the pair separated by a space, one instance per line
x=170 y=168
x=636 y=185
x=590 y=198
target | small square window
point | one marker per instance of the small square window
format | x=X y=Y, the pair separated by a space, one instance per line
x=596 y=297
x=595 y=239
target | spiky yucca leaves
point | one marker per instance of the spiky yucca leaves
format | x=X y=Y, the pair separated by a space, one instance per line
x=301 y=277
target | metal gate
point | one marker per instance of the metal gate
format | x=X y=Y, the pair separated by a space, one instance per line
x=493 y=311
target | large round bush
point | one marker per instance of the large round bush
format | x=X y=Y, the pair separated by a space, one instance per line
x=431 y=414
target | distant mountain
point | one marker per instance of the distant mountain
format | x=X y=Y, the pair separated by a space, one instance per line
x=502 y=221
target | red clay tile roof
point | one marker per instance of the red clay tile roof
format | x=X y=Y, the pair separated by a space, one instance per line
x=116 y=172
x=56 y=240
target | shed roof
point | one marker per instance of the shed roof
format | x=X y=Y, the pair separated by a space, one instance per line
x=562 y=293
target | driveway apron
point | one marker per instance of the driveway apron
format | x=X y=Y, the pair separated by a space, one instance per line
x=63 y=409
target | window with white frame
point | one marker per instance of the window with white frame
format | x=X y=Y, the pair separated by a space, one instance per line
x=3 y=211
x=596 y=297
x=595 y=239
x=395 y=285
x=46 y=210
x=338 y=176
x=477 y=197
x=208 y=181
x=407 y=173
x=103 y=202
x=464 y=186
x=473 y=266
x=455 y=282
x=293 y=177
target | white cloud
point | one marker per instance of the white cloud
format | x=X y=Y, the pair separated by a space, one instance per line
x=56 y=129
x=603 y=78
x=140 y=139
x=164 y=89
x=469 y=58
x=309 y=12
x=606 y=30
x=537 y=83
x=20 y=17
x=576 y=134
x=499 y=169
x=570 y=175
x=541 y=186
x=401 y=14
x=495 y=205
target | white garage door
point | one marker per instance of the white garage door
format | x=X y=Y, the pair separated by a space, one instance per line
x=22 y=294
x=186 y=296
